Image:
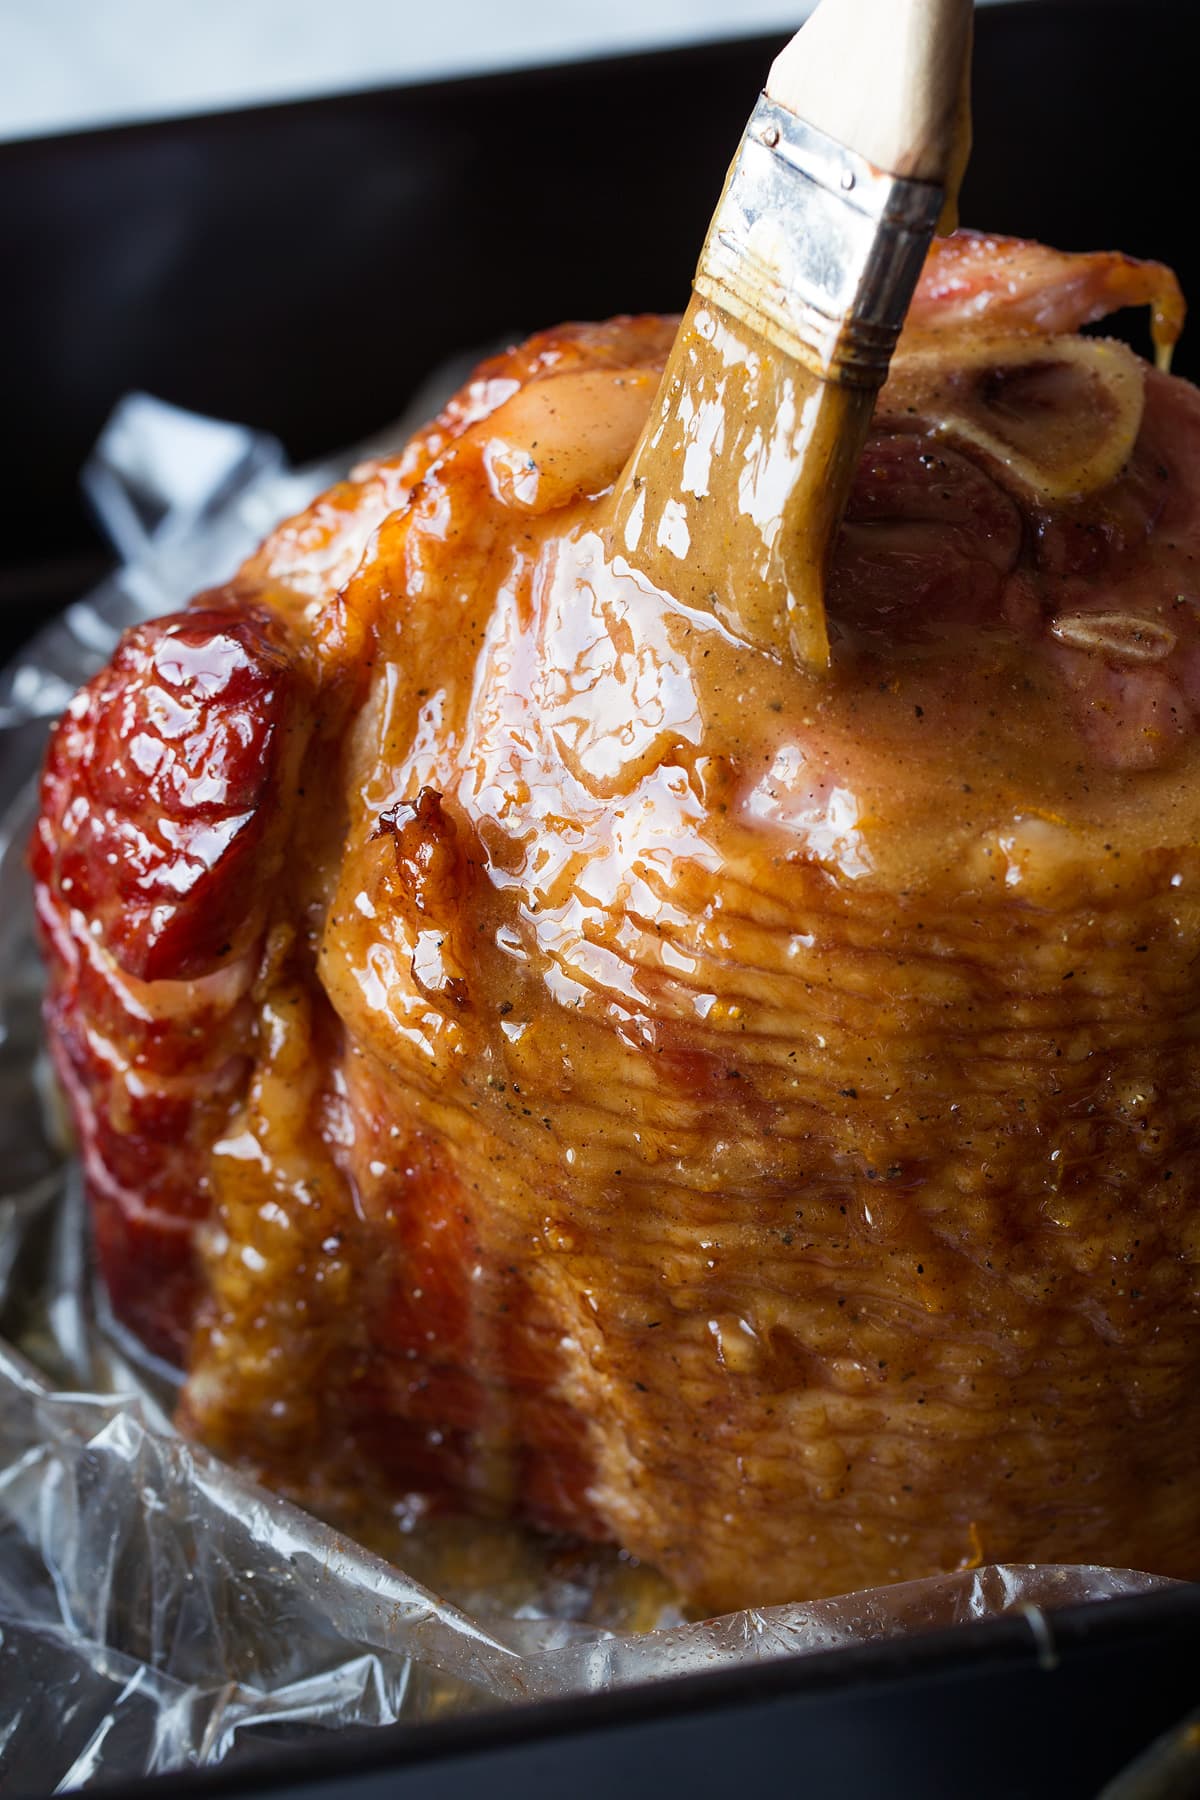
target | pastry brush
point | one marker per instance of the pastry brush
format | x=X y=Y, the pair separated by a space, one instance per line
x=850 y=161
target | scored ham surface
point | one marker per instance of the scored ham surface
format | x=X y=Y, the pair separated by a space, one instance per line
x=533 y=1052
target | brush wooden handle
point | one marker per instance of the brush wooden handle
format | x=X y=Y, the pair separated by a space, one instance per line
x=887 y=78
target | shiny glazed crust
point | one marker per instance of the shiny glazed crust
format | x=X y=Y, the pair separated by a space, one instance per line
x=530 y=1051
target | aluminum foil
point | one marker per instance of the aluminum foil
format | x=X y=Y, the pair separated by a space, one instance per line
x=157 y=1609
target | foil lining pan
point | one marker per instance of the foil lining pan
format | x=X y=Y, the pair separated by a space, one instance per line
x=157 y=1609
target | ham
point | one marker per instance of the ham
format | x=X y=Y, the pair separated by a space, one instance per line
x=534 y=1053
x=976 y=282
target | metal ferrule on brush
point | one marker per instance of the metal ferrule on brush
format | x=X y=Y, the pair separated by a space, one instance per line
x=815 y=248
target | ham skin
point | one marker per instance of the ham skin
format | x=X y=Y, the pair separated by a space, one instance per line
x=532 y=1052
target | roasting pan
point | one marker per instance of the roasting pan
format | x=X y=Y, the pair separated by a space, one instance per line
x=301 y=268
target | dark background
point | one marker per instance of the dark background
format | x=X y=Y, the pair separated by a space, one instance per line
x=300 y=268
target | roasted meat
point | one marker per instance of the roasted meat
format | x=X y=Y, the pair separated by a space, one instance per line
x=531 y=1051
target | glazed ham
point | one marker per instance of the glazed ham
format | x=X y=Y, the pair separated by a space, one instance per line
x=533 y=1052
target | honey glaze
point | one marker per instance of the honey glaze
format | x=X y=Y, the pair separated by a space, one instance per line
x=618 y=968
x=742 y=1111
